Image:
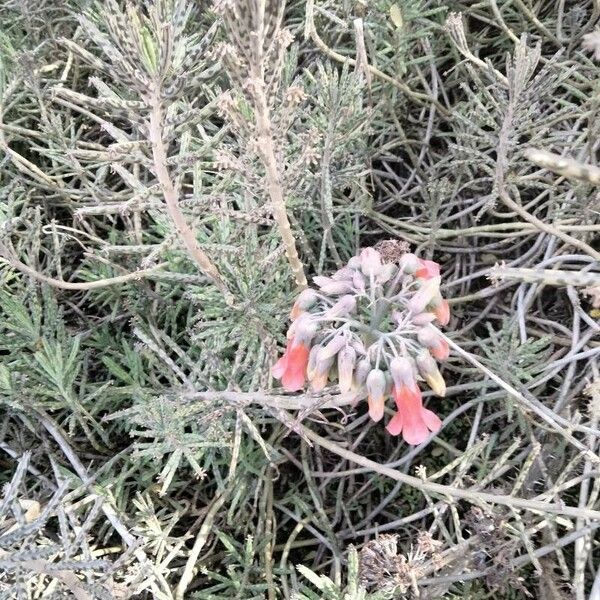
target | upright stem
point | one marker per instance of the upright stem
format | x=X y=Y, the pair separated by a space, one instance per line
x=274 y=184
x=171 y=196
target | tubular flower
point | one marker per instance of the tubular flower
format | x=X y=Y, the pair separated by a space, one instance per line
x=430 y=372
x=436 y=344
x=346 y=360
x=304 y=301
x=441 y=310
x=425 y=294
x=412 y=420
x=376 y=389
x=370 y=325
x=291 y=367
x=320 y=372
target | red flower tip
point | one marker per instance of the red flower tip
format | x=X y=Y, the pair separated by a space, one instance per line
x=442 y=312
x=412 y=420
x=427 y=269
x=441 y=350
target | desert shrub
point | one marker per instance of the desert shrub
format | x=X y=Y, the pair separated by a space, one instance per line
x=172 y=175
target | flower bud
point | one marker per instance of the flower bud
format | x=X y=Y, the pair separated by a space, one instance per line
x=428 y=337
x=434 y=342
x=319 y=374
x=430 y=372
x=387 y=272
x=312 y=361
x=376 y=389
x=337 y=288
x=362 y=370
x=346 y=362
x=354 y=262
x=333 y=347
x=441 y=310
x=358 y=345
x=305 y=300
x=321 y=280
x=344 y=306
x=389 y=384
x=402 y=371
x=343 y=274
x=423 y=318
x=370 y=262
x=424 y=295
x=358 y=281
x=409 y=263
x=319 y=381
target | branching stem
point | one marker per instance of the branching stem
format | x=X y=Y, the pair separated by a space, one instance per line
x=274 y=184
x=159 y=154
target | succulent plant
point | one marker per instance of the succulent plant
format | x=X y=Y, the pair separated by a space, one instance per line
x=370 y=326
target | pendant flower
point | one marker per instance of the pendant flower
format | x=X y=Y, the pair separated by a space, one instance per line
x=370 y=327
x=412 y=419
x=291 y=367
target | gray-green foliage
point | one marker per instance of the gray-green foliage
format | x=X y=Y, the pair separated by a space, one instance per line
x=146 y=450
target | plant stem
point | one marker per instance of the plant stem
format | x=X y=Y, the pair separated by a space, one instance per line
x=474 y=496
x=274 y=186
x=76 y=285
x=555 y=421
x=548 y=228
x=170 y=194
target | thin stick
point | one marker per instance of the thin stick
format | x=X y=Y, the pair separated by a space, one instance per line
x=274 y=187
x=567 y=167
x=81 y=285
x=552 y=277
x=445 y=490
x=548 y=228
x=545 y=413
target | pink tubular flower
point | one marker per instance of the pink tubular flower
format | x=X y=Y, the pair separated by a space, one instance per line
x=441 y=350
x=427 y=269
x=412 y=420
x=291 y=367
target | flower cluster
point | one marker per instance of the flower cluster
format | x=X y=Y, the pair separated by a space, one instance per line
x=370 y=326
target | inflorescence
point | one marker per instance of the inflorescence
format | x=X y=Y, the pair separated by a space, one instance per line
x=370 y=326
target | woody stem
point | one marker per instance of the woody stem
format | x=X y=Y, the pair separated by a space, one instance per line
x=274 y=184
